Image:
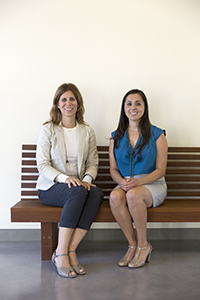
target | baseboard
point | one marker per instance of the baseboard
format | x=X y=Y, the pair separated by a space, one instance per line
x=153 y=234
x=105 y=234
x=14 y=235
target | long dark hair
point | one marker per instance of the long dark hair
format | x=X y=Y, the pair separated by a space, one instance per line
x=144 y=124
x=55 y=114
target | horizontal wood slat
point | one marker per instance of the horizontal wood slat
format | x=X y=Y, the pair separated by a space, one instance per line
x=29 y=155
x=29 y=177
x=183 y=186
x=28 y=185
x=28 y=193
x=183 y=193
x=184 y=149
x=104 y=163
x=103 y=155
x=28 y=162
x=178 y=177
x=29 y=147
x=183 y=164
x=179 y=156
x=102 y=148
x=29 y=170
x=105 y=177
x=182 y=171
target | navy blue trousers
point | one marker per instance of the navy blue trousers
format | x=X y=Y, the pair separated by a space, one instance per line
x=80 y=207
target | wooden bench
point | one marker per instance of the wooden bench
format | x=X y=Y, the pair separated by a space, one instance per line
x=181 y=205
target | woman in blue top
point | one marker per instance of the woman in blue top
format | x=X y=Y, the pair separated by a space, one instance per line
x=138 y=158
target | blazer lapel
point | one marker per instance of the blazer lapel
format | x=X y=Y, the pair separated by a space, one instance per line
x=61 y=143
x=81 y=137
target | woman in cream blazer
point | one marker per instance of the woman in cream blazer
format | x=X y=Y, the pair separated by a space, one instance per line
x=51 y=164
x=67 y=161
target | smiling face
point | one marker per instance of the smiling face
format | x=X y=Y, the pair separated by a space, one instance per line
x=134 y=107
x=68 y=105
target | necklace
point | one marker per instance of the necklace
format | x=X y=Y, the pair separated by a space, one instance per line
x=132 y=154
x=69 y=129
x=132 y=157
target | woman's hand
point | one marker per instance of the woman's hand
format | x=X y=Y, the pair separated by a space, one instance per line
x=73 y=181
x=128 y=183
x=87 y=185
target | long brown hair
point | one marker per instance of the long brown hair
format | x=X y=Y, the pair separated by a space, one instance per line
x=55 y=114
x=144 y=124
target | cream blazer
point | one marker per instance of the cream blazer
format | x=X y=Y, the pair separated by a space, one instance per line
x=51 y=154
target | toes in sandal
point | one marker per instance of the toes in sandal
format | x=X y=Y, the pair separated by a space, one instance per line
x=77 y=268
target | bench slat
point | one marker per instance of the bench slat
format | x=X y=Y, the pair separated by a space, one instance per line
x=104 y=163
x=29 y=163
x=184 y=149
x=183 y=164
x=182 y=171
x=183 y=186
x=29 y=178
x=29 y=193
x=178 y=177
x=179 y=156
x=29 y=170
x=29 y=147
x=179 y=193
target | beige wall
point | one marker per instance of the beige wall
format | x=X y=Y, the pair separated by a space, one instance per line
x=105 y=47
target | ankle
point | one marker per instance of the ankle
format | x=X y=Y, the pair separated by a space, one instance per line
x=61 y=250
x=71 y=251
x=143 y=245
x=73 y=257
x=132 y=246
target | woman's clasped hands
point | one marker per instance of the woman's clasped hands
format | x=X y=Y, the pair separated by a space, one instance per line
x=128 y=183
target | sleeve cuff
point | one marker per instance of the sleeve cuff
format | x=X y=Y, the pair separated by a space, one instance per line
x=61 y=178
x=87 y=179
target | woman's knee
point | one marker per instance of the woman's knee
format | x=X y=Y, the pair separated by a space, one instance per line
x=80 y=192
x=97 y=191
x=139 y=197
x=96 y=194
x=116 y=199
x=134 y=198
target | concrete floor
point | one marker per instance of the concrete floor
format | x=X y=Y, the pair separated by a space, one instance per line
x=172 y=274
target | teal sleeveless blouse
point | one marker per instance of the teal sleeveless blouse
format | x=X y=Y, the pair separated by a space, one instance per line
x=124 y=154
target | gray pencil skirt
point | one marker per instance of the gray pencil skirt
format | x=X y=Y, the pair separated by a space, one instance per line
x=158 y=189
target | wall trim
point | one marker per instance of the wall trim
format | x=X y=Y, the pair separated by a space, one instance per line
x=105 y=234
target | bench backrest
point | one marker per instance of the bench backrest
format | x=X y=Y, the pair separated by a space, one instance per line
x=182 y=176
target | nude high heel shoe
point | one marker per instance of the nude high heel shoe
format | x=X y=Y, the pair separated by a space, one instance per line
x=125 y=260
x=64 y=272
x=136 y=262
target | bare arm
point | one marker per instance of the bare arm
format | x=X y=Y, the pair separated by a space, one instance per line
x=115 y=174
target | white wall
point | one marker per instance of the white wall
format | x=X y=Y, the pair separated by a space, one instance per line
x=105 y=47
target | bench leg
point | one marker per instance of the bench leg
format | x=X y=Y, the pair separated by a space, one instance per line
x=49 y=238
